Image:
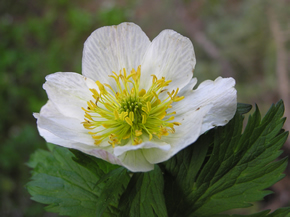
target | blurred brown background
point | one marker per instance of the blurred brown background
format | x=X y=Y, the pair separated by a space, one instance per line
x=245 y=39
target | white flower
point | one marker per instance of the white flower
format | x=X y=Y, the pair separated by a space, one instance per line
x=134 y=104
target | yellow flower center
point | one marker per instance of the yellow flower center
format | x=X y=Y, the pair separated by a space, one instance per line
x=130 y=113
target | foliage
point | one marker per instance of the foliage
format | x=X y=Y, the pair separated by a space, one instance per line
x=71 y=189
x=223 y=170
x=238 y=169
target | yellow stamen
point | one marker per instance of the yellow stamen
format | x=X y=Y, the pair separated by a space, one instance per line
x=142 y=92
x=126 y=113
x=138 y=132
x=137 y=141
x=129 y=121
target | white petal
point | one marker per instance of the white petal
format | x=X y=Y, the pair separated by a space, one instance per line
x=139 y=158
x=187 y=90
x=51 y=138
x=135 y=161
x=212 y=104
x=69 y=92
x=222 y=94
x=189 y=130
x=113 y=48
x=157 y=155
x=119 y=150
x=66 y=128
x=91 y=150
x=170 y=55
x=103 y=154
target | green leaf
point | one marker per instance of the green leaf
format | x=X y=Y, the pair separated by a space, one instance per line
x=182 y=169
x=95 y=165
x=144 y=195
x=282 y=212
x=114 y=178
x=239 y=168
x=224 y=169
x=115 y=186
x=243 y=108
x=36 y=156
x=69 y=188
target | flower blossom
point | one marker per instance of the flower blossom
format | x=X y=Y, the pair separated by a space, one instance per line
x=134 y=104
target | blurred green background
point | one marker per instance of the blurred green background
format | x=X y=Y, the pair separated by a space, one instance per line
x=245 y=39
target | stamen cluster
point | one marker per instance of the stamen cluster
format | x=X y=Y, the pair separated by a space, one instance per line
x=130 y=113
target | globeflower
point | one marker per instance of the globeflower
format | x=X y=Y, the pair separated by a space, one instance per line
x=134 y=105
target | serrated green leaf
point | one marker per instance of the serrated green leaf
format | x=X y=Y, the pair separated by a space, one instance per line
x=68 y=187
x=244 y=164
x=240 y=166
x=50 y=146
x=282 y=212
x=90 y=163
x=224 y=169
x=113 y=177
x=112 y=190
x=144 y=195
x=243 y=108
x=34 y=158
x=260 y=214
x=181 y=171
